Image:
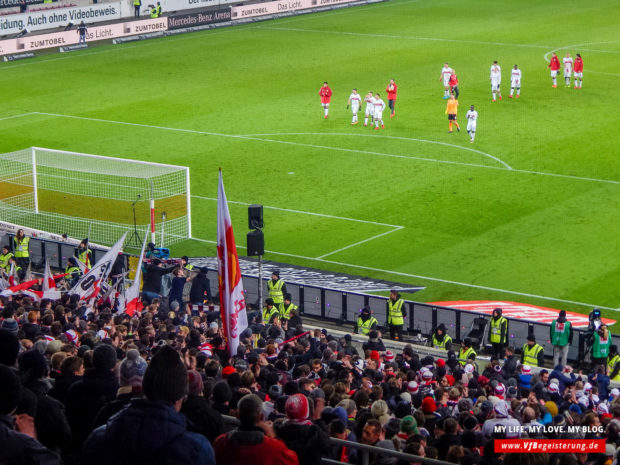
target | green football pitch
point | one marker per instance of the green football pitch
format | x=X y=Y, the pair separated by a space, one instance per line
x=530 y=212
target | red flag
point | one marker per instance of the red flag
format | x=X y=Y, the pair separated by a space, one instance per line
x=130 y=303
x=232 y=299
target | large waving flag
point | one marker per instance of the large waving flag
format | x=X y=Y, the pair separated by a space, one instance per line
x=48 y=286
x=130 y=303
x=232 y=299
x=90 y=284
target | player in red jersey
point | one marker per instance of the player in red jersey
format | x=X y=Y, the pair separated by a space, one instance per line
x=554 y=66
x=326 y=95
x=454 y=85
x=391 y=90
x=578 y=71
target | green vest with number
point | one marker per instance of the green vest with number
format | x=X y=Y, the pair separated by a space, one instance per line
x=395 y=314
x=560 y=333
x=275 y=291
x=465 y=354
x=364 y=326
x=285 y=312
x=496 y=330
x=443 y=343
x=21 y=248
x=600 y=349
x=4 y=261
x=611 y=364
x=268 y=314
x=530 y=355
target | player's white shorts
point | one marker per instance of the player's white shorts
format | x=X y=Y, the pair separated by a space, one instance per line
x=495 y=85
x=471 y=126
x=369 y=110
x=567 y=73
x=578 y=75
x=446 y=80
x=554 y=73
x=355 y=108
x=515 y=83
x=378 y=115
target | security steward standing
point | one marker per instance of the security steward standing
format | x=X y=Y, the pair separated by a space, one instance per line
x=365 y=322
x=277 y=288
x=269 y=311
x=467 y=352
x=613 y=363
x=4 y=259
x=533 y=354
x=440 y=339
x=84 y=254
x=72 y=271
x=286 y=307
x=396 y=313
x=498 y=333
x=21 y=248
x=561 y=335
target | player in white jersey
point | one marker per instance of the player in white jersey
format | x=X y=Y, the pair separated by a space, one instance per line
x=515 y=81
x=472 y=117
x=568 y=68
x=370 y=108
x=379 y=107
x=496 y=79
x=355 y=100
x=446 y=72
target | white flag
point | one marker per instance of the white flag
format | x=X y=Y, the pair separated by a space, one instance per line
x=232 y=299
x=90 y=284
x=130 y=303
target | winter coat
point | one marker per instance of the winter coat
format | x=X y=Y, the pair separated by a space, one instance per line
x=251 y=446
x=62 y=385
x=20 y=449
x=309 y=441
x=84 y=400
x=207 y=421
x=146 y=433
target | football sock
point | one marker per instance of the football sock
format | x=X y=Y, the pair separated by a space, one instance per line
x=450 y=126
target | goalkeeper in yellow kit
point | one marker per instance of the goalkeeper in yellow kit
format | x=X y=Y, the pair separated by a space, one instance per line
x=451 y=111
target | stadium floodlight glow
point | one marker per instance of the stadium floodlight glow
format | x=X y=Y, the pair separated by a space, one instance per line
x=65 y=192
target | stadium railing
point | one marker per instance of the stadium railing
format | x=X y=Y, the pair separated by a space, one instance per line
x=231 y=423
x=342 y=307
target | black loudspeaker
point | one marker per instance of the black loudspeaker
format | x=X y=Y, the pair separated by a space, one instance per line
x=255 y=217
x=256 y=243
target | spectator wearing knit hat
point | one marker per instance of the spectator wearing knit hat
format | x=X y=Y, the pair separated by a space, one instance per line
x=300 y=434
x=152 y=430
x=131 y=371
x=198 y=410
x=85 y=398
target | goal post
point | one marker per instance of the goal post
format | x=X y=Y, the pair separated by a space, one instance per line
x=72 y=193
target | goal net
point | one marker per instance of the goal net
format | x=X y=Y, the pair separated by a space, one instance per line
x=94 y=196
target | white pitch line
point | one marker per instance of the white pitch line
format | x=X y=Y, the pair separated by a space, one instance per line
x=322 y=215
x=17 y=116
x=469 y=149
x=393 y=36
x=429 y=278
x=360 y=242
x=191 y=131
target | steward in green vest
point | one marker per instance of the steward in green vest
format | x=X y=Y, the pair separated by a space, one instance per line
x=601 y=345
x=366 y=322
x=136 y=8
x=21 y=244
x=158 y=9
x=561 y=336
x=286 y=307
x=4 y=259
x=84 y=254
x=153 y=11
x=467 y=352
x=73 y=272
x=533 y=354
x=613 y=363
x=498 y=333
x=396 y=312
x=440 y=339
x=269 y=311
x=277 y=288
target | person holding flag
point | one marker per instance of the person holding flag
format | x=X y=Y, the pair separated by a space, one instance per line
x=232 y=298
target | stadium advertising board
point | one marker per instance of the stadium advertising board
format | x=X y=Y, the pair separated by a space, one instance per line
x=270 y=8
x=178 y=5
x=198 y=19
x=66 y=38
x=15 y=3
x=48 y=19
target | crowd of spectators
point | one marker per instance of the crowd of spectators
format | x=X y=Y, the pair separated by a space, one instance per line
x=90 y=386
